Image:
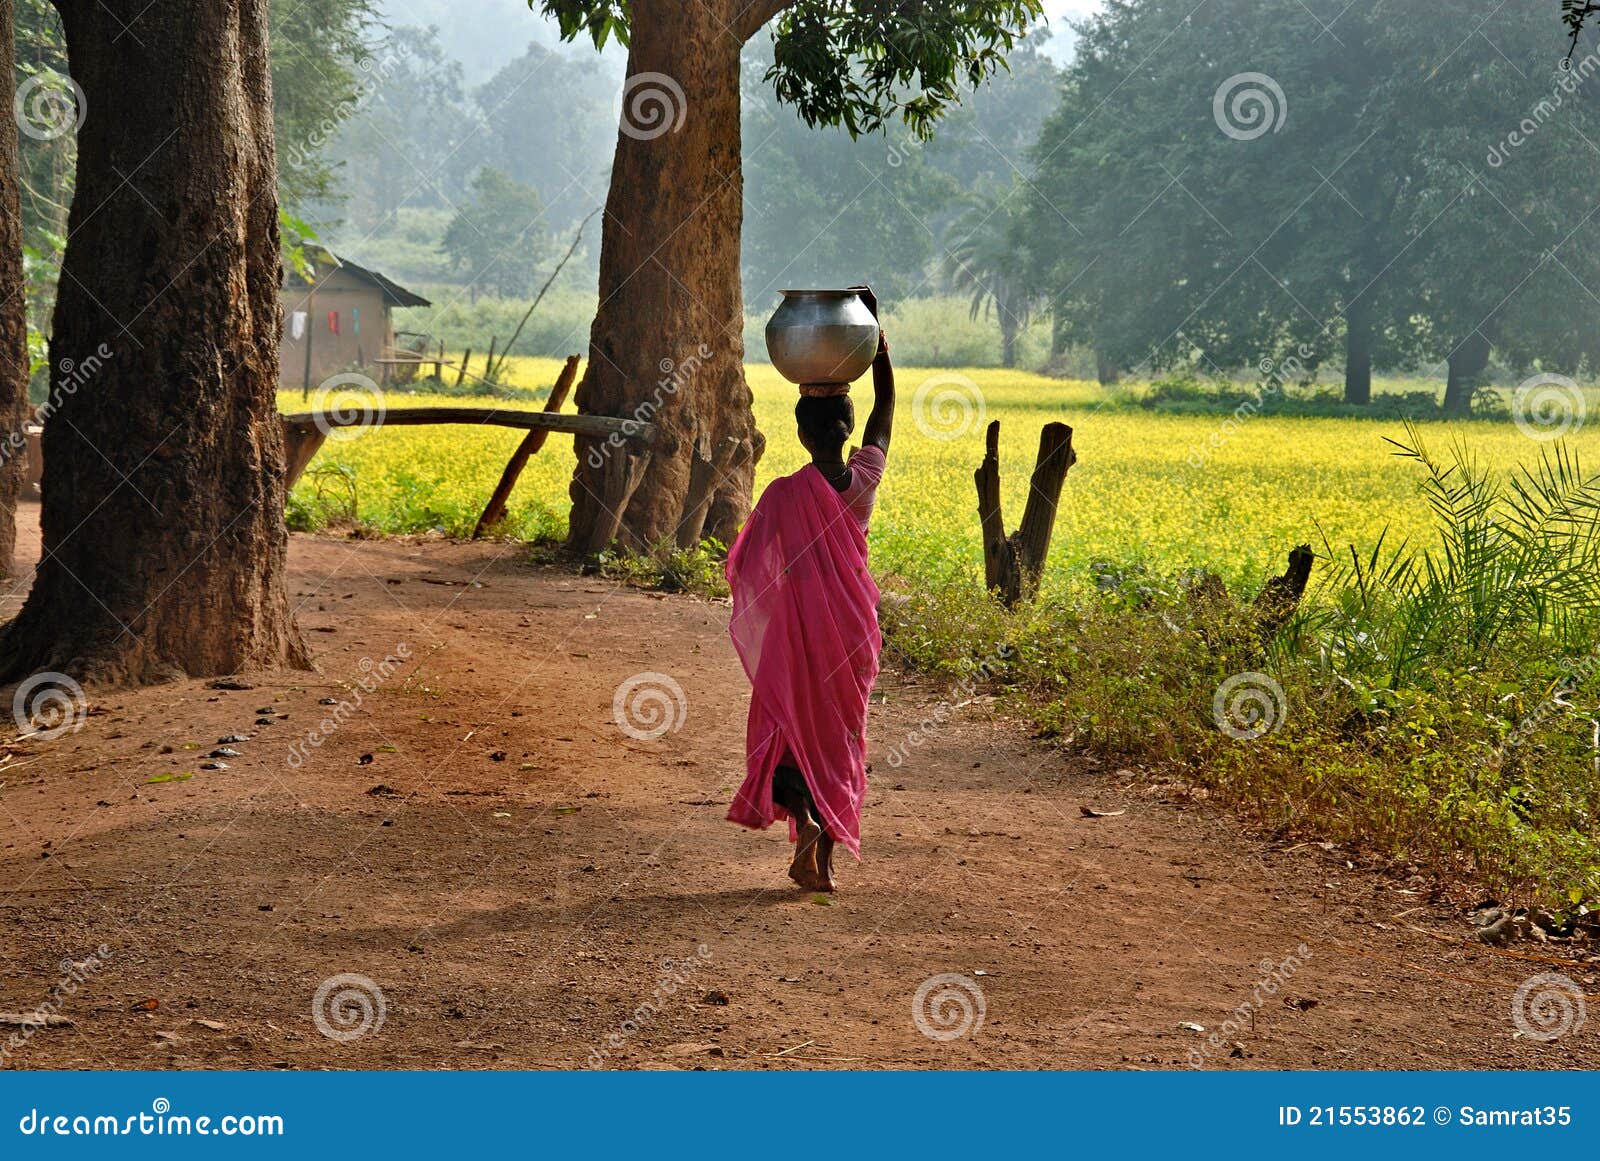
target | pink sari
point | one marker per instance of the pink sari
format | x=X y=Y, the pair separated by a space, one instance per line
x=805 y=625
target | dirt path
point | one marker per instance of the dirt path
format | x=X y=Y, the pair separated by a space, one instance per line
x=530 y=887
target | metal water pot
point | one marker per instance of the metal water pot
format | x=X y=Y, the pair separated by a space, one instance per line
x=822 y=339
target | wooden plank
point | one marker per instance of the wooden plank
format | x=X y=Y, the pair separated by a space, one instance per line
x=495 y=510
x=596 y=426
x=301 y=441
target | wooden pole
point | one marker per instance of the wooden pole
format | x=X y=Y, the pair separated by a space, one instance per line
x=311 y=329
x=1044 y=498
x=990 y=519
x=495 y=510
x=488 y=368
x=577 y=237
x=462 y=373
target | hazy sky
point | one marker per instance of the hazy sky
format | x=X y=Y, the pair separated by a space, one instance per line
x=485 y=34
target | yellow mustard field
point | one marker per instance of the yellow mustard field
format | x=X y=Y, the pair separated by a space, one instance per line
x=1175 y=491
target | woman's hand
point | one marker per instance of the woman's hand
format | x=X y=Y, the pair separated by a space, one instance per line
x=864 y=292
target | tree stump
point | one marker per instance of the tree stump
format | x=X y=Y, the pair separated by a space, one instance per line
x=1013 y=564
x=1281 y=595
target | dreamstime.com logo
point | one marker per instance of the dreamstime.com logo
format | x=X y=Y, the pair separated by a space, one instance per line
x=48 y=705
x=347 y=1007
x=648 y=706
x=347 y=405
x=1547 y=1007
x=1249 y=105
x=1248 y=705
x=947 y=406
x=49 y=105
x=1547 y=407
x=948 y=1007
x=651 y=105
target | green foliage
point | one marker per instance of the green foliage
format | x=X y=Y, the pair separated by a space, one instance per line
x=548 y=122
x=986 y=257
x=498 y=237
x=1518 y=559
x=1358 y=213
x=560 y=326
x=415 y=108
x=857 y=65
x=698 y=570
x=321 y=66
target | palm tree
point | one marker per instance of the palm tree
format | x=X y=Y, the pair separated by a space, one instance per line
x=985 y=258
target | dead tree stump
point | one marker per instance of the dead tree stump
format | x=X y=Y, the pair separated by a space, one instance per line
x=1012 y=564
x=1281 y=595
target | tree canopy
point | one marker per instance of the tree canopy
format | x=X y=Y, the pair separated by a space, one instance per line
x=1247 y=189
x=855 y=65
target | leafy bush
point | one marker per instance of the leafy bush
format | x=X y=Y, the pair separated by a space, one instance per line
x=697 y=570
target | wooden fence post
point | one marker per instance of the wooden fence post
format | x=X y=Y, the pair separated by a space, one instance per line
x=495 y=510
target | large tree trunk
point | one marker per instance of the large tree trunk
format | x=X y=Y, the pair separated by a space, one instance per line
x=667 y=345
x=1105 y=368
x=13 y=301
x=1358 y=351
x=1466 y=362
x=1008 y=339
x=164 y=540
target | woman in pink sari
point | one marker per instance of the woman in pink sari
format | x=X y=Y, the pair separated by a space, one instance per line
x=805 y=625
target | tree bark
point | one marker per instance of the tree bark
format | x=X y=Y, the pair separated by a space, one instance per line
x=1358 y=352
x=164 y=540
x=1466 y=363
x=667 y=343
x=13 y=302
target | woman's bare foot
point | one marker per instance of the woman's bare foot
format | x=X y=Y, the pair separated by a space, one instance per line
x=803 y=869
x=824 y=863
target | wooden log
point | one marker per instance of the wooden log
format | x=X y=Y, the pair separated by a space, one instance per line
x=302 y=439
x=1012 y=565
x=462 y=373
x=495 y=510
x=629 y=431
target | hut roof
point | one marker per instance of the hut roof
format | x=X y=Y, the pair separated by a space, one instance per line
x=324 y=262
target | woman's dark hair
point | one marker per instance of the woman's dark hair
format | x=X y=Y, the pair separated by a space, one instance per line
x=826 y=421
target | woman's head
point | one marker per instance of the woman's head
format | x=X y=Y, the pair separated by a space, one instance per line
x=826 y=421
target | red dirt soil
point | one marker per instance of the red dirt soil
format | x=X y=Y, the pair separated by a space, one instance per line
x=516 y=886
